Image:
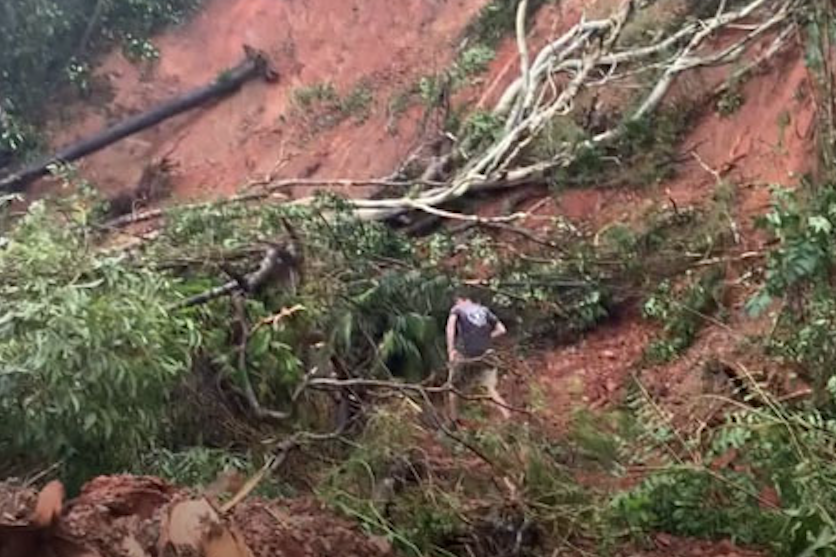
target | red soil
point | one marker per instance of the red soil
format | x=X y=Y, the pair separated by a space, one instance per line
x=144 y=516
x=769 y=140
x=588 y=374
x=219 y=148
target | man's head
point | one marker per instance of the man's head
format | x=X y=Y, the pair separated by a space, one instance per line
x=463 y=295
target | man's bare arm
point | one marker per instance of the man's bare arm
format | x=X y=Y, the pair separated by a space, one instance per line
x=499 y=329
x=451 y=336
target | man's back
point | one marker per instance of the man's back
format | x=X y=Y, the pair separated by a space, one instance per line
x=474 y=325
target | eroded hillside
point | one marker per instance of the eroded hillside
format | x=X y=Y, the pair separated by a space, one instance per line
x=626 y=267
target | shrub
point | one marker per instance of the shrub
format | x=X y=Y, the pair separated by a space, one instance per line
x=89 y=348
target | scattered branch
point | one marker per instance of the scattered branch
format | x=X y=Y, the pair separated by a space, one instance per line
x=280 y=266
x=245 y=333
x=339 y=384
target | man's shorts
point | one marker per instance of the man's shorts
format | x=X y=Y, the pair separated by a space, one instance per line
x=480 y=372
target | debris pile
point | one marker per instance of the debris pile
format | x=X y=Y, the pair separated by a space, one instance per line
x=141 y=516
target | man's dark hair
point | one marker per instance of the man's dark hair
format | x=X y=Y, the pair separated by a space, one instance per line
x=469 y=293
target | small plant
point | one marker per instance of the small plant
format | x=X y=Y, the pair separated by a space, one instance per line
x=307 y=97
x=473 y=61
x=194 y=466
x=496 y=20
x=16 y=136
x=357 y=103
x=400 y=102
x=480 y=130
x=430 y=88
x=730 y=101
x=324 y=108
x=806 y=236
x=139 y=49
x=78 y=74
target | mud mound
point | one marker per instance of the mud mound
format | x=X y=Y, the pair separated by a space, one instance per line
x=301 y=528
x=140 y=516
x=17 y=502
x=114 y=512
x=126 y=495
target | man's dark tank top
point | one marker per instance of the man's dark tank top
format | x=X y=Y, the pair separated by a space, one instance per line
x=474 y=325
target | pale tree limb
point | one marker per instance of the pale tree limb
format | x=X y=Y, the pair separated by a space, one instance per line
x=522 y=46
x=685 y=60
x=267 y=189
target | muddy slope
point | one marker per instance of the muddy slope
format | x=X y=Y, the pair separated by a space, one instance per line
x=378 y=45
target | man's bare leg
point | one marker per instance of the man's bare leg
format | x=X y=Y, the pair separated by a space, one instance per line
x=490 y=380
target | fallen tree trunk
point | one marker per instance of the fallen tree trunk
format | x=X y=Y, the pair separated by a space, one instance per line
x=254 y=65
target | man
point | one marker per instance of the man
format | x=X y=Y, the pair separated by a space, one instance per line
x=470 y=329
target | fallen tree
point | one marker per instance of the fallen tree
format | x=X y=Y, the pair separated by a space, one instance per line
x=255 y=64
x=594 y=64
x=586 y=56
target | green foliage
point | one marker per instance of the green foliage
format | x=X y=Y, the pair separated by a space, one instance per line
x=16 y=135
x=358 y=101
x=777 y=449
x=807 y=339
x=397 y=319
x=78 y=74
x=799 y=268
x=650 y=145
x=473 y=61
x=42 y=51
x=138 y=49
x=430 y=88
x=682 y=314
x=555 y=299
x=497 y=19
x=554 y=499
x=562 y=134
x=89 y=347
x=399 y=103
x=470 y=63
x=480 y=130
x=194 y=466
x=307 y=97
x=818 y=28
x=696 y=503
x=645 y=151
x=806 y=236
x=379 y=485
x=323 y=107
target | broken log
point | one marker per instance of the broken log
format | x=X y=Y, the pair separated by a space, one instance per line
x=255 y=64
